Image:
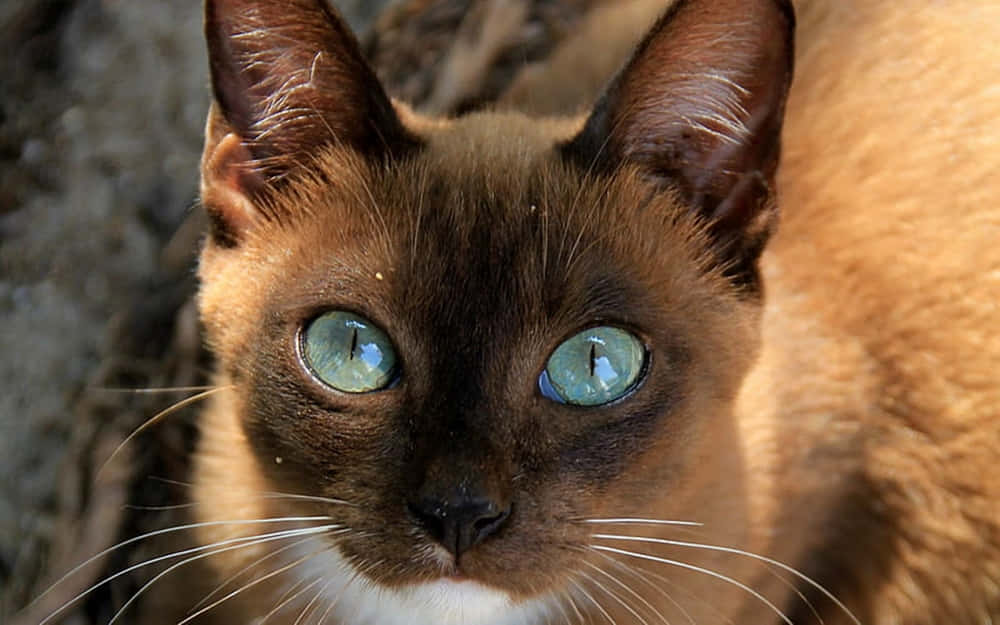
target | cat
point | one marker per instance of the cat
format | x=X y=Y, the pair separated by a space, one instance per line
x=526 y=369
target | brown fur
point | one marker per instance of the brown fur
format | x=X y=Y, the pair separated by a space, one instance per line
x=847 y=428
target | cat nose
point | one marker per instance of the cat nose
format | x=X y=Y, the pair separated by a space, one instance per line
x=459 y=523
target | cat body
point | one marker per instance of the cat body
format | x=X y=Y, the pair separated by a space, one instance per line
x=823 y=406
x=883 y=284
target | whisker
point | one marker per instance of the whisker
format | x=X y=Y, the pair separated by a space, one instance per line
x=309 y=605
x=643 y=522
x=641 y=599
x=286 y=598
x=159 y=417
x=572 y=603
x=248 y=567
x=702 y=570
x=266 y=494
x=419 y=215
x=591 y=168
x=597 y=604
x=658 y=589
x=240 y=543
x=798 y=592
x=329 y=608
x=191 y=617
x=615 y=596
x=680 y=543
x=176 y=528
x=361 y=568
x=562 y=609
x=152 y=391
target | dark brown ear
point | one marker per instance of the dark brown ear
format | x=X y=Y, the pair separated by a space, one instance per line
x=289 y=79
x=699 y=109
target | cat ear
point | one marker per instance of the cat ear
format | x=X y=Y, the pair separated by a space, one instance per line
x=289 y=79
x=699 y=108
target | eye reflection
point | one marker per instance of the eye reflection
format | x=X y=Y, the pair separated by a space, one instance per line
x=349 y=353
x=595 y=367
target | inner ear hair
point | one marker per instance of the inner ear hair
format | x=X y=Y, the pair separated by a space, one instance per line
x=289 y=82
x=230 y=183
x=699 y=109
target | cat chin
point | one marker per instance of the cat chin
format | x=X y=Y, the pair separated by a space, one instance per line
x=359 y=601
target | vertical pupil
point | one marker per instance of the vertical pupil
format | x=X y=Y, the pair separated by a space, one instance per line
x=593 y=360
x=354 y=342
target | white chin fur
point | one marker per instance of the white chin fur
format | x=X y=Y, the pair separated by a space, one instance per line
x=358 y=601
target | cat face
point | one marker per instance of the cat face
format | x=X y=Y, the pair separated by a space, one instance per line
x=482 y=271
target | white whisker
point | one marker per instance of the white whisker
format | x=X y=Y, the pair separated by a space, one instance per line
x=176 y=528
x=312 y=602
x=239 y=544
x=597 y=604
x=294 y=593
x=572 y=603
x=562 y=609
x=798 y=593
x=624 y=586
x=680 y=543
x=248 y=567
x=332 y=605
x=615 y=596
x=656 y=588
x=702 y=570
x=159 y=417
x=266 y=494
x=644 y=522
x=152 y=391
x=242 y=589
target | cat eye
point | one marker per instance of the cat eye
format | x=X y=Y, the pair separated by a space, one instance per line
x=349 y=353
x=595 y=367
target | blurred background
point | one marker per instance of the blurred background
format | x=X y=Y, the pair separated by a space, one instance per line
x=102 y=105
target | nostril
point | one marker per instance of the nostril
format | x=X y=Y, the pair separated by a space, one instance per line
x=458 y=524
x=487 y=525
x=427 y=518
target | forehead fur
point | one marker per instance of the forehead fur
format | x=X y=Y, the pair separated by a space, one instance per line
x=488 y=199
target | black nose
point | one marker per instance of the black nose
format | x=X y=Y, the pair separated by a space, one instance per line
x=460 y=522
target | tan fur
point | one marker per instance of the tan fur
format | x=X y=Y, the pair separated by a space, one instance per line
x=883 y=285
x=875 y=391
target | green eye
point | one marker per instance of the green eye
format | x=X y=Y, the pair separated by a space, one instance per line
x=349 y=353
x=595 y=367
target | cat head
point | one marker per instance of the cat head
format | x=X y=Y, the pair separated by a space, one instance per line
x=483 y=332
